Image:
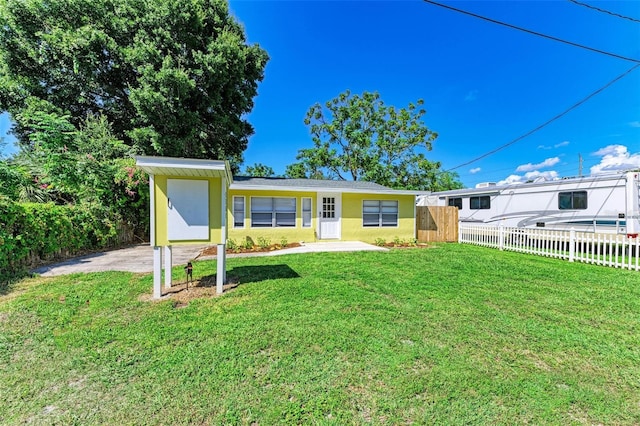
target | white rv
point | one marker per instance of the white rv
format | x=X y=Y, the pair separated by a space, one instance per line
x=605 y=203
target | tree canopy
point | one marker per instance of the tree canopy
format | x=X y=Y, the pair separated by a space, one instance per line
x=259 y=170
x=73 y=166
x=358 y=137
x=172 y=78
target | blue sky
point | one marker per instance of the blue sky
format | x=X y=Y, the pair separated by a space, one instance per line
x=483 y=84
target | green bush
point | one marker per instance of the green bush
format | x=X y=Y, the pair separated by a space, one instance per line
x=248 y=243
x=380 y=242
x=34 y=232
x=264 y=243
x=232 y=244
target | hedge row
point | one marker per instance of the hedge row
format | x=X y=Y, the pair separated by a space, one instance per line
x=34 y=232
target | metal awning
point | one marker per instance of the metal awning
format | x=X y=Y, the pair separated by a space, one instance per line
x=183 y=167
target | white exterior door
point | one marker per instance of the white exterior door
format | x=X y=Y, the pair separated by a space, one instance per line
x=329 y=215
x=188 y=209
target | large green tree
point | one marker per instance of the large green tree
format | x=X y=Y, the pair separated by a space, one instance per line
x=358 y=137
x=259 y=170
x=173 y=78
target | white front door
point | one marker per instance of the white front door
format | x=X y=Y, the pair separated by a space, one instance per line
x=188 y=209
x=329 y=215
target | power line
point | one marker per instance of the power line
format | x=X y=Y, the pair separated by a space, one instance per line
x=533 y=32
x=519 y=138
x=604 y=11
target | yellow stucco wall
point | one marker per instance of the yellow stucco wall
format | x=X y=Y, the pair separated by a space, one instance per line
x=276 y=234
x=351 y=221
x=352 y=228
x=161 y=212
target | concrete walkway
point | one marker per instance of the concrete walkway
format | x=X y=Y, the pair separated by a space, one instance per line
x=140 y=258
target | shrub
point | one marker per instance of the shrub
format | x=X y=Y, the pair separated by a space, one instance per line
x=264 y=243
x=380 y=242
x=284 y=242
x=248 y=243
x=232 y=245
x=34 y=232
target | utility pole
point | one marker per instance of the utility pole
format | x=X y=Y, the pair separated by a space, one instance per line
x=579 y=165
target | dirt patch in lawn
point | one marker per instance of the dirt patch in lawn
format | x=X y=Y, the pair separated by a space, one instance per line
x=183 y=293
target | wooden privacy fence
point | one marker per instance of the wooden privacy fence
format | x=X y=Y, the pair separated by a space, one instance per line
x=436 y=224
x=618 y=251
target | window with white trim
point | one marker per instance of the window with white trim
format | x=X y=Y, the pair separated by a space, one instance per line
x=306 y=212
x=267 y=212
x=238 y=212
x=328 y=207
x=380 y=213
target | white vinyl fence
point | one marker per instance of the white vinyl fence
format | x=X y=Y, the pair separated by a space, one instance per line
x=619 y=251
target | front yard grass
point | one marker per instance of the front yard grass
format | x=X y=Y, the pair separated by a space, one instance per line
x=450 y=335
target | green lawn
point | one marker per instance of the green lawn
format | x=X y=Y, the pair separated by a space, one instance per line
x=449 y=335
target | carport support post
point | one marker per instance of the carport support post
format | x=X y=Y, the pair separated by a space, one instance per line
x=221 y=252
x=168 y=265
x=222 y=267
x=157 y=272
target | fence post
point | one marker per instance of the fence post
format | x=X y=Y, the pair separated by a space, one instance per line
x=459 y=232
x=501 y=237
x=572 y=244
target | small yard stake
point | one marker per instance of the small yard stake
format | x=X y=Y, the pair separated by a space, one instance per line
x=189 y=271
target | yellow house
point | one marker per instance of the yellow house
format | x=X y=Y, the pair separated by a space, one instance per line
x=312 y=210
x=192 y=201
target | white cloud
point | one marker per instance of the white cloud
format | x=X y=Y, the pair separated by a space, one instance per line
x=530 y=176
x=558 y=145
x=471 y=96
x=615 y=158
x=549 y=162
x=474 y=171
x=614 y=150
x=510 y=180
x=635 y=123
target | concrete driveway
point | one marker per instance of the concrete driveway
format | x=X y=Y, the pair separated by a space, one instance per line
x=131 y=259
x=140 y=258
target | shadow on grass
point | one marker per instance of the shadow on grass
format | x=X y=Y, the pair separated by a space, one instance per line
x=182 y=292
x=8 y=280
x=250 y=274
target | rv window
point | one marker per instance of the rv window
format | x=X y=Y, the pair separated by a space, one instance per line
x=456 y=202
x=480 y=203
x=576 y=200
